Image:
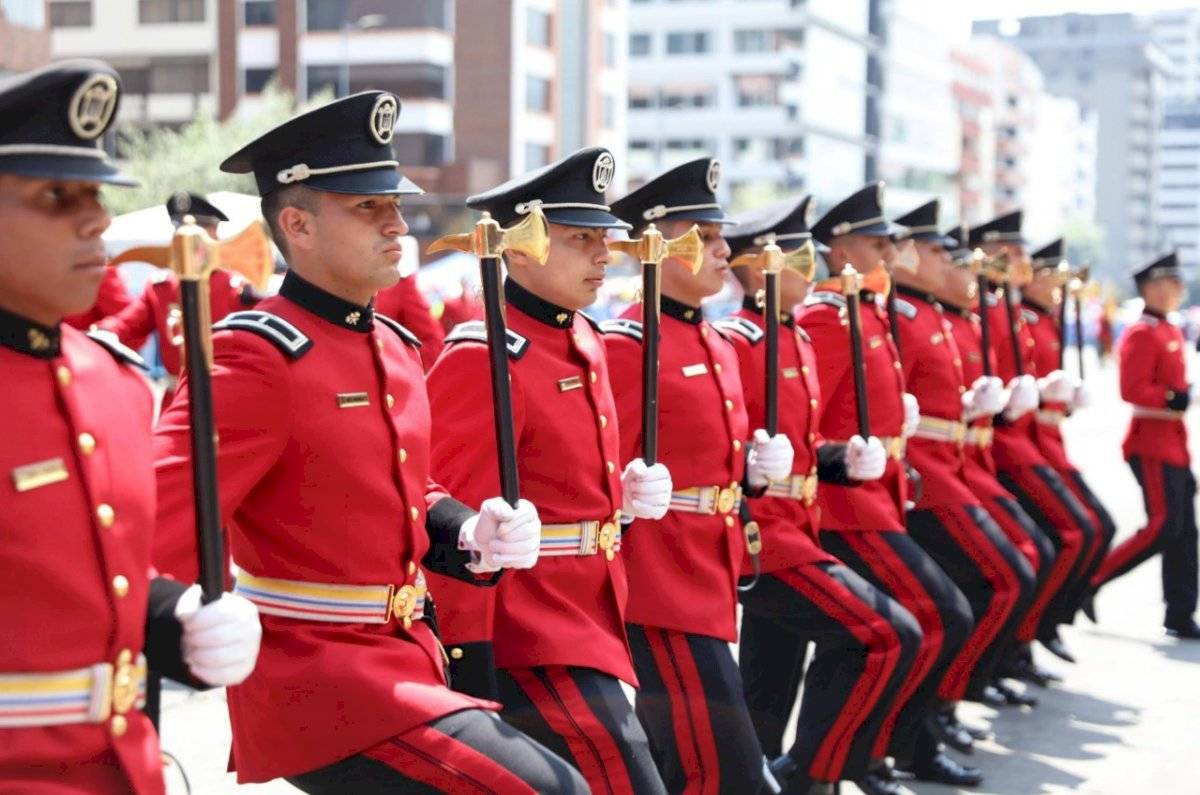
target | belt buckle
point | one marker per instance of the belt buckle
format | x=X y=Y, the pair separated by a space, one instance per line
x=124 y=688
x=726 y=499
x=959 y=433
x=607 y=540
x=896 y=447
x=810 y=490
x=402 y=603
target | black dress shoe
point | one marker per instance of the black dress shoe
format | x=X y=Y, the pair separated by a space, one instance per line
x=875 y=784
x=992 y=697
x=942 y=769
x=1028 y=671
x=977 y=732
x=1013 y=697
x=1186 y=630
x=1059 y=649
x=1088 y=606
x=944 y=727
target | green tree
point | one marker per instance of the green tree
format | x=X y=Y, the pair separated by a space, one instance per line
x=167 y=160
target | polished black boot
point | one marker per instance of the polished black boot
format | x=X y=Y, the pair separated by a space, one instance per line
x=940 y=768
x=944 y=727
x=1186 y=629
x=1055 y=645
x=1013 y=697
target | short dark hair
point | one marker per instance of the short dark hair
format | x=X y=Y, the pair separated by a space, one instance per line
x=299 y=196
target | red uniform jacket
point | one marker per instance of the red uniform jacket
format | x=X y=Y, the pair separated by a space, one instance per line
x=1152 y=363
x=683 y=569
x=789 y=527
x=568 y=609
x=933 y=370
x=980 y=467
x=1047 y=342
x=876 y=504
x=323 y=461
x=158 y=310
x=404 y=302
x=112 y=298
x=1014 y=444
x=76 y=550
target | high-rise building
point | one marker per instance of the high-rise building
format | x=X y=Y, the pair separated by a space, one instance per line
x=1177 y=34
x=972 y=86
x=774 y=88
x=24 y=35
x=1109 y=64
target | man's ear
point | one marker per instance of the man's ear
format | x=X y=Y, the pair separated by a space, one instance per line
x=296 y=225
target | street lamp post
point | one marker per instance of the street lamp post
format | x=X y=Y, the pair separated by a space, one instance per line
x=365 y=22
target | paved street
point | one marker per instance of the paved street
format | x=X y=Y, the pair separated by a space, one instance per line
x=1123 y=722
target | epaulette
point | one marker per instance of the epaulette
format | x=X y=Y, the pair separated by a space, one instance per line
x=1030 y=316
x=804 y=335
x=836 y=300
x=905 y=308
x=404 y=333
x=476 y=331
x=289 y=339
x=741 y=326
x=991 y=298
x=120 y=352
x=623 y=325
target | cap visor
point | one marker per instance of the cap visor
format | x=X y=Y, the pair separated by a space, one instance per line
x=585 y=217
x=71 y=169
x=711 y=215
x=372 y=182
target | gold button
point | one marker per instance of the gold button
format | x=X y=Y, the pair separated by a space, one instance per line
x=896 y=365
x=120 y=586
x=704 y=331
x=961 y=389
x=729 y=405
x=379 y=344
x=414 y=513
x=63 y=375
x=603 y=421
x=729 y=521
x=812 y=437
x=391 y=401
x=717 y=368
x=804 y=369
x=611 y=467
x=957 y=362
x=812 y=403
x=592 y=376
x=412 y=567
x=403 y=455
x=87 y=443
x=456 y=653
x=105 y=515
x=737 y=445
x=119 y=725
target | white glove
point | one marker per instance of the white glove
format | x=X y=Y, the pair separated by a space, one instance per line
x=1022 y=399
x=865 y=460
x=770 y=458
x=504 y=537
x=1058 y=387
x=220 y=639
x=985 y=398
x=912 y=415
x=1082 y=397
x=646 y=490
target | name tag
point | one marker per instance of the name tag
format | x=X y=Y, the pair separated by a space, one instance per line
x=352 y=400
x=42 y=473
x=874 y=342
x=790 y=372
x=567 y=384
x=692 y=370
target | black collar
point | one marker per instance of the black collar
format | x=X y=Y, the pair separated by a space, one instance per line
x=1029 y=302
x=680 y=311
x=26 y=336
x=920 y=295
x=537 y=307
x=750 y=304
x=326 y=305
x=1154 y=313
x=961 y=311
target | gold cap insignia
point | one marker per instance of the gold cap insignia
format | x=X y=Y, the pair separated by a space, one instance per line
x=92 y=106
x=38 y=340
x=713 y=178
x=602 y=172
x=383 y=118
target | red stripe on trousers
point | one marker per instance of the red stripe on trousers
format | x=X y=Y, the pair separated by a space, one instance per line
x=568 y=715
x=1156 y=509
x=904 y=586
x=1070 y=536
x=694 y=741
x=1005 y=588
x=1097 y=547
x=431 y=757
x=1014 y=530
x=882 y=643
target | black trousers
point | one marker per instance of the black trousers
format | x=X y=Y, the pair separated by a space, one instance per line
x=866 y=644
x=896 y=564
x=582 y=715
x=1169 y=493
x=690 y=701
x=1108 y=529
x=469 y=751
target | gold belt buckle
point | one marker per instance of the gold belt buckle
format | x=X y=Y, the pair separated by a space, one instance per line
x=896 y=447
x=960 y=433
x=810 y=490
x=726 y=499
x=403 y=603
x=124 y=683
x=608 y=539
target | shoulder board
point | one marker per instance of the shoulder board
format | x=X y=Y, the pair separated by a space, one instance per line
x=803 y=335
x=404 y=333
x=742 y=327
x=1030 y=316
x=109 y=341
x=991 y=299
x=476 y=331
x=905 y=308
x=289 y=339
x=825 y=297
x=623 y=325
x=593 y=322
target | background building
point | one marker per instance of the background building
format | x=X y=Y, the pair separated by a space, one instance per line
x=1177 y=33
x=24 y=35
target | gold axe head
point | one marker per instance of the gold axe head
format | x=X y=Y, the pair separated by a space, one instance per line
x=1079 y=279
x=995 y=268
x=772 y=259
x=530 y=237
x=194 y=253
x=249 y=253
x=688 y=248
x=154 y=255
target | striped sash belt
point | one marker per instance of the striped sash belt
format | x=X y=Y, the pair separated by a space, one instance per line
x=938 y=429
x=581 y=538
x=346 y=604
x=707 y=499
x=84 y=695
x=1148 y=413
x=796 y=487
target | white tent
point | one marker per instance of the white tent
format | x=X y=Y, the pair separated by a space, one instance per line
x=152 y=226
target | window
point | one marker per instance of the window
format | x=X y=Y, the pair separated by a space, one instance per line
x=333 y=14
x=259 y=12
x=537 y=27
x=179 y=76
x=537 y=93
x=421 y=149
x=151 y=12
x=536 y=155
x=610 y=49
x=610 y=112
x=697 y=97
x=750 y=41
x=690 y=43
x=641 y=98
x=405 y=80
x=256 y=80
x=756 y=90
x=73 y=14
x=640 y=44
